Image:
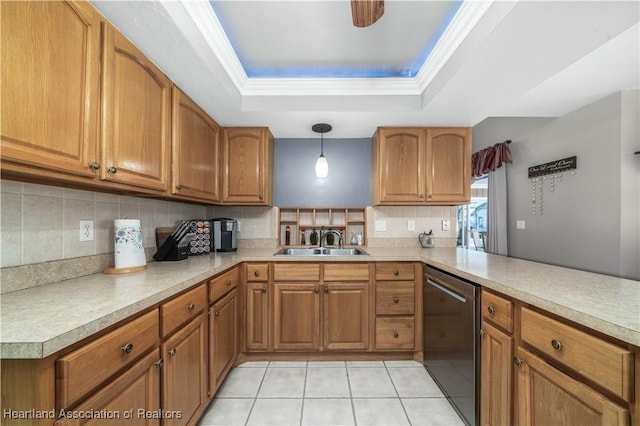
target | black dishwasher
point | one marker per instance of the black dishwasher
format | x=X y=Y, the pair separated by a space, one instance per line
x=451 y=350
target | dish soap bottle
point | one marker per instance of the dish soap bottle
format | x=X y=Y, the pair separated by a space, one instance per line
x=330 y=239
x=287 y=235
x=302 y=239
x=313 y=238
x=354 y=239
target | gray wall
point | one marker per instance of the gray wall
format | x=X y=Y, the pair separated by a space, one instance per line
x=591 y=219
x=348 y=183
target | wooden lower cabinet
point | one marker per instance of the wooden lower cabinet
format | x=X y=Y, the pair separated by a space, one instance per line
x=223 y=343
x=296 y=316
x=184 y=375
x=548 y=396
x=346 y=316
x=257 y=317
x=496 y=376
x=131 y=399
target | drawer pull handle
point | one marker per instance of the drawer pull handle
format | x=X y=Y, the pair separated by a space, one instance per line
x=159 y=363
x=555 y=344
x=396 y=272
x=396 y=334
x=491 y=310
x=517 y=361
x=127 y=348
x=256 y=273
x=228 y=283
x=191 y=307
x=396 y=300
x=264 y=289
x=172 y=352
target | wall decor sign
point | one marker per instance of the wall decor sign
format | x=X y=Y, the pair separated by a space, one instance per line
x=553 y=167
x=554 y=171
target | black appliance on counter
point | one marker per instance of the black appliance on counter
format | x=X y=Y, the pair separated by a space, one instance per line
x=451 y=348
x=225 y=232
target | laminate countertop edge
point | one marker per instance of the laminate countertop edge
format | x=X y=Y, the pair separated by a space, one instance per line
x=40 y=321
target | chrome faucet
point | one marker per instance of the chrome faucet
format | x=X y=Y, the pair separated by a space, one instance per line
x=323 y=237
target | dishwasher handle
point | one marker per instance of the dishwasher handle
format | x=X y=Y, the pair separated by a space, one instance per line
x=450 y=292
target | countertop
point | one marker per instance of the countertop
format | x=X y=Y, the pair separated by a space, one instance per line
x=40 y=321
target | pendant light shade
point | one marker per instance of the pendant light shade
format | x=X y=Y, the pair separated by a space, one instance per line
x=322 y=165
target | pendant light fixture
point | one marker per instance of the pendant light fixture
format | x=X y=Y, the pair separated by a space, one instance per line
x=322 y=166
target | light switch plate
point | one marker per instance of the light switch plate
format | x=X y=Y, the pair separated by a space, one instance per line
x=411 y=225
x=381 y=225
x=519 y=224
x=446 y=225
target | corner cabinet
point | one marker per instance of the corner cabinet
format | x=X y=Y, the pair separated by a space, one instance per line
x=195 y=145
x=50 y=89
x=421 y=166
x=136 y=105
x=247 y=166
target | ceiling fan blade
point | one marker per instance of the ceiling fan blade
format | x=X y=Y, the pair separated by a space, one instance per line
x=366 y=12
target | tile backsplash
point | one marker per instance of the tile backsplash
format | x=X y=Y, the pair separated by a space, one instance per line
x=40 y=228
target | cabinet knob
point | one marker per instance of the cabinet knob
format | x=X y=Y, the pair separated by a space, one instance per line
x=396 y=272
x=191 y=307
x=326 y=290
x=256 y=273
x=260 y=196
x=420 y=195
x=517 y=361
x=228 y=283
x=396 y=299
x=216 y=314
x=94 y=166
x=317 y=290
x=172 y=352
x=430 y=196
x=126 y=349
x=264 y=289
x=178 y=187
x=112 y=170
x=555 y=344
x=491 y=310
x=159 y=363
x=482 y=333
x=396 y=334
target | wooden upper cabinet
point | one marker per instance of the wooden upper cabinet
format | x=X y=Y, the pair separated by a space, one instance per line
x=449 y=165
x=49 y=85
x=398 y=166
x=247 y=163
x=136 y=102
x=421 y=166
x=195 y=144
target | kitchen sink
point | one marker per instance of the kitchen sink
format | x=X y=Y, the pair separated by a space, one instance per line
x=320 y=251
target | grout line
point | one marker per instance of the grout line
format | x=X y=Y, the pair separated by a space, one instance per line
x=404 y=410
x=246 y=422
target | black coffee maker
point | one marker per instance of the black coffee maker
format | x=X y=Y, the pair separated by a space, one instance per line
x=225 y=232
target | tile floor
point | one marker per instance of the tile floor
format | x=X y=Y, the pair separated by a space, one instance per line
x=330 y=393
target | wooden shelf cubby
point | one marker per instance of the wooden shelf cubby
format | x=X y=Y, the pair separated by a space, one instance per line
x=347 y=219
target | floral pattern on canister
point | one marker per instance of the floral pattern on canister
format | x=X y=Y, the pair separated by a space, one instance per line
x=129 y=234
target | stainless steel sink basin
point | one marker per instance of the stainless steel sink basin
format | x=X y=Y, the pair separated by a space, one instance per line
x=320 y=251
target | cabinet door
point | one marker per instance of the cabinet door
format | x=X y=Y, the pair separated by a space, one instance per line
x=257 y=320
x=346 y=316
x=296 y=316
x=247 y=161
x=195 y=144
x=496 y=377
x=49 y=84
x=547 y=396
x=135 y=133
x=448 y=171
x=184 y=380
x=399 y=157
x=134 y=397
x=223 y=345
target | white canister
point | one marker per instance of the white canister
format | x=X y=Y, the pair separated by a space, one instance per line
x=129 y=251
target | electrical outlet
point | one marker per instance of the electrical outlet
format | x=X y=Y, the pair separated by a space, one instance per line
x=446 y=225
x=86 y=230
x=381 y=225
x=411 y=225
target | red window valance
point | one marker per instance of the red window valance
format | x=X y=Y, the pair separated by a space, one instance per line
x=491 y=158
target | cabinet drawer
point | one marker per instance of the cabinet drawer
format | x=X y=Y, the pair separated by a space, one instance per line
x=395 y=333
x=391 y=271
x=395 y=298
x=220 y=285
x=296 y=272
x=497 y=310
x=604 y=363
x=257 y=272
x=182 y=308
x=79 y=372
x=346 y=272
